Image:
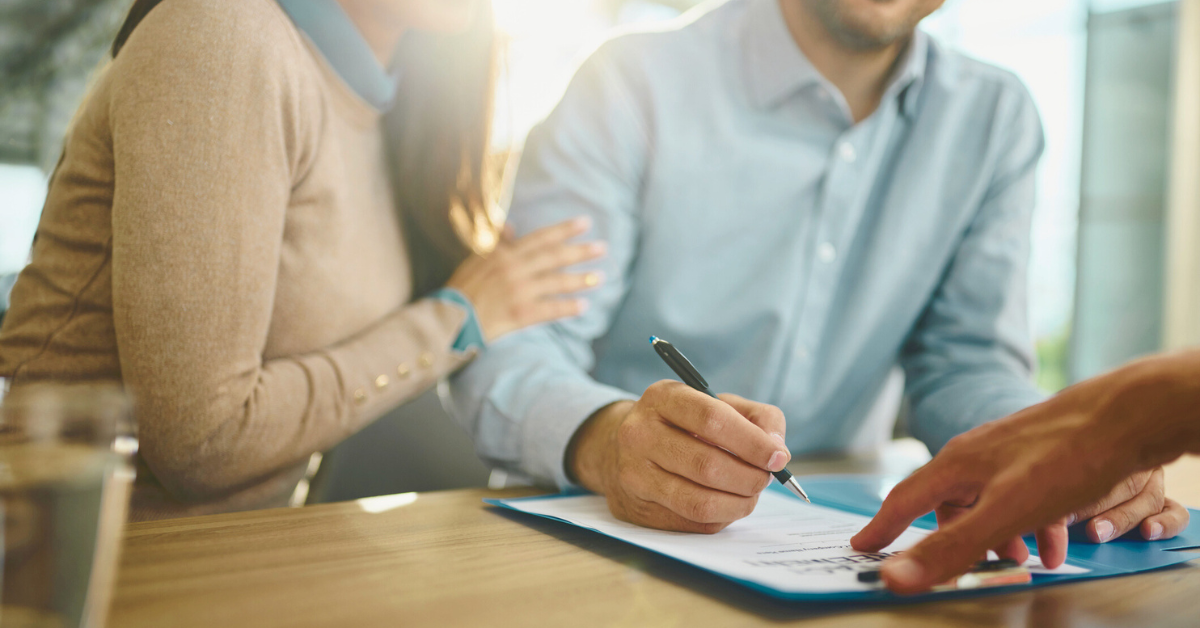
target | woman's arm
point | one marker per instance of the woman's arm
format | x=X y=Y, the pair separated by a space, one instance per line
x=209 y=135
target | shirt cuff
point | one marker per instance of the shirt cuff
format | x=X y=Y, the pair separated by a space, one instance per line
x=558 y=413
x=471 y=335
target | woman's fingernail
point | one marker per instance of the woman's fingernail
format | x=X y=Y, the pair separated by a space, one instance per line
x=778 y=461
x=597 y=248
x=1104 y=529
x=779 y=437
x=582 y=305
x=582 y=223
x=1156 y=530
x=903 y=571
x=1071 y=520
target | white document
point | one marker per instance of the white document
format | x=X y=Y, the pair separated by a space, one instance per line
x=785 y=544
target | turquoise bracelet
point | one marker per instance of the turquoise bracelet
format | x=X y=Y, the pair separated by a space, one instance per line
x=471 y=335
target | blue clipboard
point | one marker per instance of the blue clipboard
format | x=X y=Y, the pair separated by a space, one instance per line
x=862 y=495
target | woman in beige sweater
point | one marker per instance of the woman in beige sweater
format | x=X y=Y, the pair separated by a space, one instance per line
x=249 y=227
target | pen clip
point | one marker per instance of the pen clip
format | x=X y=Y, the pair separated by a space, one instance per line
x=679 y=363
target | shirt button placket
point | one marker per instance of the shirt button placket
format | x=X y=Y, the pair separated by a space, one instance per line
x=827 y=253
x=847 y=152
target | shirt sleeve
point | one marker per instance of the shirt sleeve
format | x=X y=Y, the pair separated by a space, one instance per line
x=970 y=359
x=524 y=398
x=209 y=133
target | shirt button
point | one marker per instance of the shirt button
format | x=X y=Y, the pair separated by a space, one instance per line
x=847 y=153
x=381 y=382
x=426 y=360
x=360 y=396
x=826 y=252
x=402 y=371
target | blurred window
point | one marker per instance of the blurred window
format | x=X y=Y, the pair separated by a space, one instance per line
x=1044 y=42
x=23 y=190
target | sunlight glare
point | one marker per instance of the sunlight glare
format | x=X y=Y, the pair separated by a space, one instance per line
x=384 y=503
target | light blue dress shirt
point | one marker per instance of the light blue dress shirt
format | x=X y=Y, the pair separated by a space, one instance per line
x=793 y=255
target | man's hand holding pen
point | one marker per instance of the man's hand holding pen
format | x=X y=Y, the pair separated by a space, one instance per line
x=677 y=459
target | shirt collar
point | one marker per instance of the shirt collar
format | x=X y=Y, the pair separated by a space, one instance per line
x=334 y=34
x=906 y=84
x=776 y=68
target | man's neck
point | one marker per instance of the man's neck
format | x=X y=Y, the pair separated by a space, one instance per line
x=379 y=27
x=860 y=75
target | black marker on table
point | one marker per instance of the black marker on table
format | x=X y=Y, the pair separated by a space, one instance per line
x=691 y=377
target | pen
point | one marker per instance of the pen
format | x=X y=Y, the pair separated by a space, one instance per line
x=987 y=573
x=691 y=377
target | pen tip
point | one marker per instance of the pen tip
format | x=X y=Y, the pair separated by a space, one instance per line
x=795 y=487
x=653 y=339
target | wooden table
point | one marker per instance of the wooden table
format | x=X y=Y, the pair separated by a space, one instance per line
x=445 y=559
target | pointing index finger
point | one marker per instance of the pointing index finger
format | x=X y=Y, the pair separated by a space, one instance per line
x=949 y=551
x=920 y=493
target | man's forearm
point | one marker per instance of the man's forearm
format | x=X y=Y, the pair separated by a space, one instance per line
x=591 y=451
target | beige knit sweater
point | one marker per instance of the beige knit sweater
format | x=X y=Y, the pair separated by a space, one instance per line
x=220 y=236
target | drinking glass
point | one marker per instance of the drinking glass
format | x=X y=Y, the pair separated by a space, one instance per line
x=65 y=476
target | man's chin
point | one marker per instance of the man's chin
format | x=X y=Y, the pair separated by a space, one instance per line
x=866 y=38
x=863 y=26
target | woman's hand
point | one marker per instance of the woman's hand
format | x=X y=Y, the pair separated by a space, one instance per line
x=521 y=282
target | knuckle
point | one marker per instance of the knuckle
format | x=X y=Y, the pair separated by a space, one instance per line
x=764 y=480
x=561 y=283
x=705 y=469
x=560 y=256
x=1123 y=519
x=702 y=509
x=955 y=443
x=1131 y=486
x=575 y=283
x=627 y=434
x=619 y=509
x=628 y=477
x=711 y=421
x=535 y=313
x=1158 y=500
x=656 y=391
x=574 y=253
x=748 y=507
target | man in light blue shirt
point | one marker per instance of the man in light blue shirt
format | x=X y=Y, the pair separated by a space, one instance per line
x=799 y=194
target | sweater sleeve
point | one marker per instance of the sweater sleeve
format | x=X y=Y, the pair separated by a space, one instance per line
x=209 y=135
